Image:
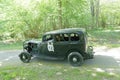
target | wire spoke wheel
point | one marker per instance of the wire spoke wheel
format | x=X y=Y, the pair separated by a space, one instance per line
x=75 y=59
x=25 y=57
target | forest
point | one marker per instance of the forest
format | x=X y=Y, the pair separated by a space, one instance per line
x=25 y=19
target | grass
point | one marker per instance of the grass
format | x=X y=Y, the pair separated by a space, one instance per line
x=10 y=46
x=109 y=37
x=38 y=71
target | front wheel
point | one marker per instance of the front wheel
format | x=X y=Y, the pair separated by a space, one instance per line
x=25 y=57
x=75 y=59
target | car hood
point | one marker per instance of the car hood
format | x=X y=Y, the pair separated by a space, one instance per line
x=33 y=41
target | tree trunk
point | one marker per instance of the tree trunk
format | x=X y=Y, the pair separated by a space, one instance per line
x=97 y=13
x=92 y=12
x=60 y=13
x=94 y=6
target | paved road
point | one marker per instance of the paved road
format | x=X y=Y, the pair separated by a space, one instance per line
x=9 y=57
x=104 y=57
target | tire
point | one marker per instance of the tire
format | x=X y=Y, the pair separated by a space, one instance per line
x=25 y=57
x=75 y=59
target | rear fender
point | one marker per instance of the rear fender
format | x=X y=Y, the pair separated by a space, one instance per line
x=74 y=50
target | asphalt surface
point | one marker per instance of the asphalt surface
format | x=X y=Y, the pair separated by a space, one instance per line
x=9 y=57
x=104 y=57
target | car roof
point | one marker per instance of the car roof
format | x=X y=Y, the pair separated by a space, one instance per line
x=67 y=30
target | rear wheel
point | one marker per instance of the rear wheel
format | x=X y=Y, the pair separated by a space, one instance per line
x=25 y=57
x=75 y=59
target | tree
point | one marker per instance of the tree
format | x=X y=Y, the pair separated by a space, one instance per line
x=94 y=6
x=97 y=13
x=32 y=18
x=60 y=13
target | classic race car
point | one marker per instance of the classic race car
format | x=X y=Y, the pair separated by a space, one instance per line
x=70 y=43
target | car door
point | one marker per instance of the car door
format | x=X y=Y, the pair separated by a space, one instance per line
x=47 y=47
x=75 y=42
x=61 y=44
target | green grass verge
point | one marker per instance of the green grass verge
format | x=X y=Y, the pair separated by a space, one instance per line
x=105 y=37
x=38 y=71
x=10 y=46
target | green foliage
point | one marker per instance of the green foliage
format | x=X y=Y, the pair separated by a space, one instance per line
x=105 y=37
x=24 y=19
x=110 y=14
x=75 y=13
x=56 y=71
x=30 y=19
x=10 y=45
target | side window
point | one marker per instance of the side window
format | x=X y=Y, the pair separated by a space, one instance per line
x=74 y=37
x=61 y=37
x=66 y=37
x=47 y=38
x=58 y=37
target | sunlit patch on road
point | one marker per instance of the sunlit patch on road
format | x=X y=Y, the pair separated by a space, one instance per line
x=114 y=53
x=105 y=57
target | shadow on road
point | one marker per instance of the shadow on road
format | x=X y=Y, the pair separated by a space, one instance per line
x=102 y=61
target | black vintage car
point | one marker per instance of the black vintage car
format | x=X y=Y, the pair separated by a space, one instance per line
x=62 y=44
